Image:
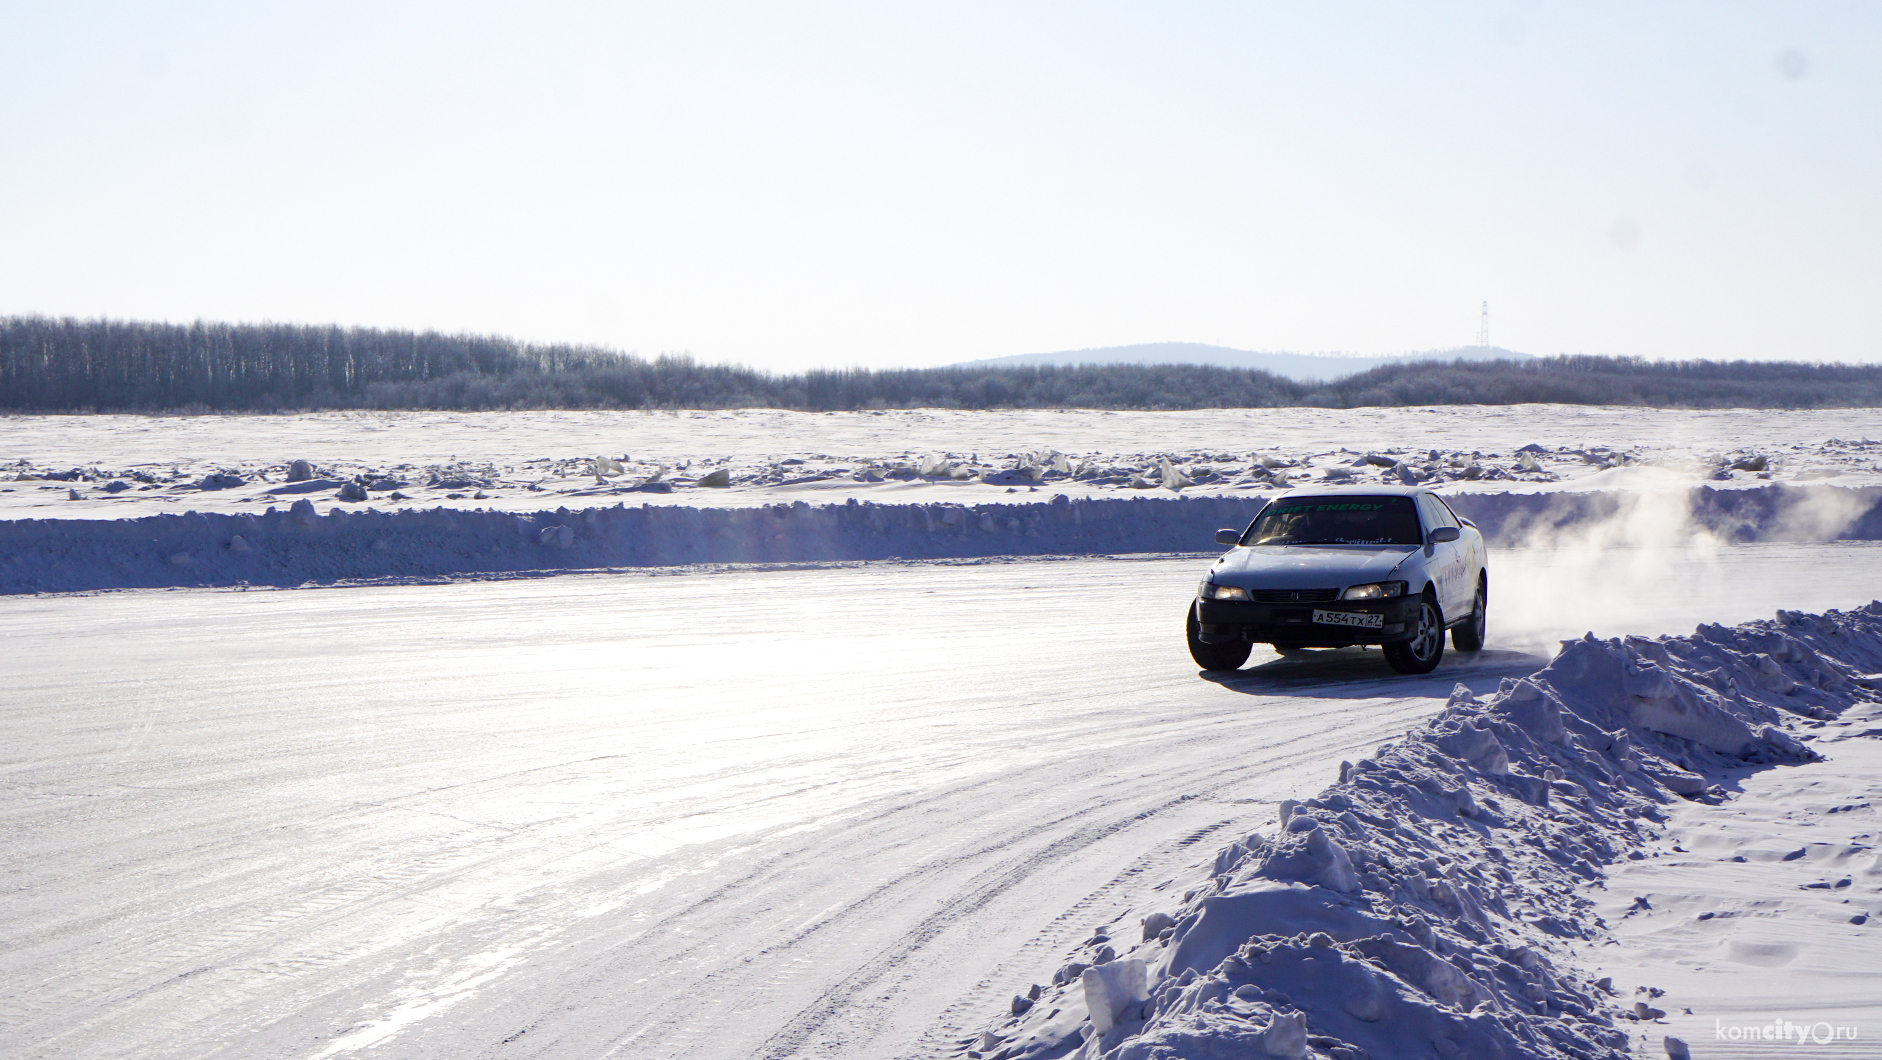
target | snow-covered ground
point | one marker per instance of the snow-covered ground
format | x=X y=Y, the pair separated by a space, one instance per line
x=527 y=461
x=1764 y=909
x=838 y=812
x=851 y=809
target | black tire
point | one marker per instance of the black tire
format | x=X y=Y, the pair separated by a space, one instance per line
x=1228 y=656
x=1469 y=636
x=1421 y=653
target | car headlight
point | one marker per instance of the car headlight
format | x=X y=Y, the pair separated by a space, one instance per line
x=1374 y=591
x=1212 y=591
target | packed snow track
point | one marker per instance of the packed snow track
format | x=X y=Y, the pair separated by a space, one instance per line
x=745 y=813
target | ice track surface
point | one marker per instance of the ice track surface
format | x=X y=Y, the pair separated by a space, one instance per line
x=763 y=813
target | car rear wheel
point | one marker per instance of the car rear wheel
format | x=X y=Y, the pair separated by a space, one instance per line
x=1469 y=636
x=1228 y=656
x=1421 y=653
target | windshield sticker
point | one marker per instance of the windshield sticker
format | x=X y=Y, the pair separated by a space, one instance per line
x=1293 y=508
x=1328 y=541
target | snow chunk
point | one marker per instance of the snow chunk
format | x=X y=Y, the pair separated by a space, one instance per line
x=1111 y=989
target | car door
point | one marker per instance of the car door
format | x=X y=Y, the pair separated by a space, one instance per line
x=1470 y=549
x=1448 y=564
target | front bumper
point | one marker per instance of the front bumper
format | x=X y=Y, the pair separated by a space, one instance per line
x=1292 y=625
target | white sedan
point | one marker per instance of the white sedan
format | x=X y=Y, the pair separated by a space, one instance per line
x=1321 y=568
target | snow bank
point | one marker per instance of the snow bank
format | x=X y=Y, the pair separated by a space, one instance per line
x=299 y=544
x=1430 y=903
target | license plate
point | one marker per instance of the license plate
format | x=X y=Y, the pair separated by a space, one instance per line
x=1349 y=618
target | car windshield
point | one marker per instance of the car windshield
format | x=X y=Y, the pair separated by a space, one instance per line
x=1337 y=521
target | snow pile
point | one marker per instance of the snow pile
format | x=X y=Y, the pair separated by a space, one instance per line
x=1430 y=903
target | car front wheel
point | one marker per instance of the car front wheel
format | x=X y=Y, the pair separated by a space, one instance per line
x=1228 y=656
x=1421 y=653
x=1469 y=636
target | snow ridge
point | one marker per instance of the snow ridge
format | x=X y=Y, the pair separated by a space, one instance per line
x=301 y=544
x=1431 y=902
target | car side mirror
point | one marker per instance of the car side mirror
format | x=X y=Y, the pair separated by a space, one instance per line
x=1443 y=534
x=1228 y=537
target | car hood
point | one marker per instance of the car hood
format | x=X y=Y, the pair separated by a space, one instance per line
x=1307 y=566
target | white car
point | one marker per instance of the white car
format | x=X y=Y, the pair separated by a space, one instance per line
x=1323 y=568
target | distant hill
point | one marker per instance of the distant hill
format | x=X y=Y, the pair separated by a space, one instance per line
x=1304 y=367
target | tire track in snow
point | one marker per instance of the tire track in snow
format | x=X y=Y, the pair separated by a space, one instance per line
x=1124 y=889
x=845 y=1002
x=947 y=798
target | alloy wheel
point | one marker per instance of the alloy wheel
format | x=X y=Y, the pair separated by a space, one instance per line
x=1430 y=635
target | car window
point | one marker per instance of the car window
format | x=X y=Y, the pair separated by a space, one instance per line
x=1338 y=520
x=1436 y=514
x=1456 y=520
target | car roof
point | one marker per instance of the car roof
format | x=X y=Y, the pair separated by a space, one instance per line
x=1374 y=491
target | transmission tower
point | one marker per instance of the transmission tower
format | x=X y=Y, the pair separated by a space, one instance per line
x=1483 y=328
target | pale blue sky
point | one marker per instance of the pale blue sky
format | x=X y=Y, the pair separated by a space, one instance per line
x=789 y=185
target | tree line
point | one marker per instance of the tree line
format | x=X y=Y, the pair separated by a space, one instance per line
x=1586 y=380
x=67 y=365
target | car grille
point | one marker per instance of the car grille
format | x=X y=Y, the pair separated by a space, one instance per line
x=1293 y=596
